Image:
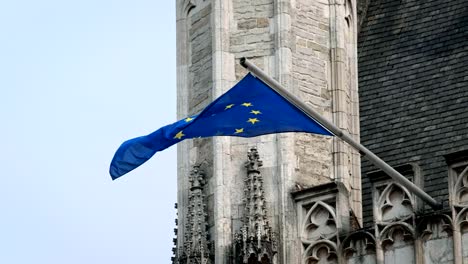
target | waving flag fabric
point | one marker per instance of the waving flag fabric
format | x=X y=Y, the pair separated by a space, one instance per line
x=248 y=109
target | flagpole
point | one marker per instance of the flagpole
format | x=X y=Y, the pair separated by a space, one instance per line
x=395 y=175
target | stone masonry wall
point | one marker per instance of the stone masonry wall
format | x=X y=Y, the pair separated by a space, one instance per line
x=252 y=34
x=201 y=64
x=310 y=63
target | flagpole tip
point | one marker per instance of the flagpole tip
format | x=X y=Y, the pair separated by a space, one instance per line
x=242 y=62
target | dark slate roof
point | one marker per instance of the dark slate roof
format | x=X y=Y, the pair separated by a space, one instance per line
x=413 y=87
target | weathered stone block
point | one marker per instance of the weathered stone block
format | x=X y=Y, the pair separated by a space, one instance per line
x=317 y=47
x=247 y=24
x=237 y=40
x=263 y=22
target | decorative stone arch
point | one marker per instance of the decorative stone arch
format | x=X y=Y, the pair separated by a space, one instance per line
x=460 y=189
x=458 y=192
x=323 y=214
x=361 y=245
x=395 y=203
x=461 y=220
x=319 y=223
x=390 y=233
x=433 y=226
x=349 y=12
x=185 y=7
x=322 y=251
x=435 y=239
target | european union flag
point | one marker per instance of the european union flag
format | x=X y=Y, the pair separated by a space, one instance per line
x=248 y=109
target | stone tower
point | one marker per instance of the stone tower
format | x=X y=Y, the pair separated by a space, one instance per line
x=292 y=206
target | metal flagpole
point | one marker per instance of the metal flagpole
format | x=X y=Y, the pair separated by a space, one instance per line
x=277 y=87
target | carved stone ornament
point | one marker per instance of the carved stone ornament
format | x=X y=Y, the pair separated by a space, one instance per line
x=256 y=243
x=319 y=234
x=394 y=204
x=396 y=235
x=196 y=248
x=436 y=235
x=462 y=220
x=187 y=6
x=358 y=245
x=321 y=252
x=435 y=227
x=320 y=223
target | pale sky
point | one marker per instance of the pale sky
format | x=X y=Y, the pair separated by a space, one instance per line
x=78 y=78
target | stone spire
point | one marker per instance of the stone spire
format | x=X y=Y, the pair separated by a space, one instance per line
x=175 y=254
x=196 y=247
x=255 y=241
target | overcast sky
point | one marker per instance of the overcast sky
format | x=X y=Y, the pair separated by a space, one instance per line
x=77 y=78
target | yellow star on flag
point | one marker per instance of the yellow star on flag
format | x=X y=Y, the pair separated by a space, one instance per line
x=247 y=104
x=255 y=112
x=229 y=106
x=240 y=130
x=188 y=119
x=179 y=135
x=253 y=120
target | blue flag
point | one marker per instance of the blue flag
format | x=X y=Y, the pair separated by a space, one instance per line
x=248 y=109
